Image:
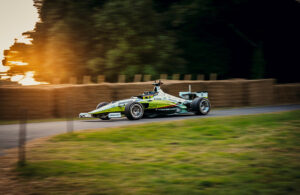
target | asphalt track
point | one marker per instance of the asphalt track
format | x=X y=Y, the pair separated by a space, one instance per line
x=9 y=133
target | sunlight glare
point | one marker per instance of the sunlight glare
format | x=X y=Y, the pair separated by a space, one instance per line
x=4 y=68
x=29 y=80
x=5 y=77
x=16 y=78
x=18 y=63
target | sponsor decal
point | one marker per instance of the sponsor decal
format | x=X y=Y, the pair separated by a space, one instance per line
x=166 y=109
x=114 y=115
x=169 y=106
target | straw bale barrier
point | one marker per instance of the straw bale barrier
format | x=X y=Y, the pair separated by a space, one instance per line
x=58 y=101
x=287 y=93
x=38 y=101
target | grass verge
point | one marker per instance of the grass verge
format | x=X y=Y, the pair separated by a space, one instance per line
x=257 y=154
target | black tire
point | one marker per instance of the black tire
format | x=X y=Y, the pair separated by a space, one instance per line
x=134 y=111
x=102 y=117
x=101 y=105
x=200 y=106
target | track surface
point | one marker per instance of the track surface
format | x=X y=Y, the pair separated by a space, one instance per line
x=9 y=133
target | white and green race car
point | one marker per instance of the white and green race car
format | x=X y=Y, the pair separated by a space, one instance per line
x=152 y=104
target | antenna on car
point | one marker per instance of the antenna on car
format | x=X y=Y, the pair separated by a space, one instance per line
x=157 y=84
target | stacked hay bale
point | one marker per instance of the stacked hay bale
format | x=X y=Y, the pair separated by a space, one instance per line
x=127 y=90
x=221 y=93
x=175 y=87
x=218 y=93
x=260 y=92
x=71 y=100
x=235 y=93
x=38 y=101
x=59 y=101
x=287 y=93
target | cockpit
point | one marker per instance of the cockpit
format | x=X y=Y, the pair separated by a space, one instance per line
x=151 y=94
x=147 y=95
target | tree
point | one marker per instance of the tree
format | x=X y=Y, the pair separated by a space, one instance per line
x=235 y=38
x=131 y=39
x=17 y=57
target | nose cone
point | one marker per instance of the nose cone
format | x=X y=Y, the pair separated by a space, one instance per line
x=96 y=111
x=93 y=112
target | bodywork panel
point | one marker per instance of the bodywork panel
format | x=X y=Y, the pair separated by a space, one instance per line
x=119 y=106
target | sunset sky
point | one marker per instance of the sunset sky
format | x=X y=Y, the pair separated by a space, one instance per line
x=16 y=17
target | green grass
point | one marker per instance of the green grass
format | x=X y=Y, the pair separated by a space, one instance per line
x=257 y=154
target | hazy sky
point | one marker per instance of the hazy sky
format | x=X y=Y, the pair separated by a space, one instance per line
x=16 y=17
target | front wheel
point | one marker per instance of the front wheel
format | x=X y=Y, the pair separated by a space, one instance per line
x=200 y=106
x=134 y=111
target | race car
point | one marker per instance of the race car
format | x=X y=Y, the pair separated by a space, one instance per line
x=152 y=104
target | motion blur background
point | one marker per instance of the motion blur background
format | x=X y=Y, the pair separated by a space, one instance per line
x=250 y=39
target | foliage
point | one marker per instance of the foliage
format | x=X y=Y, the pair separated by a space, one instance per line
x=258 y=63
x=137 y=41
x=130 y=37
x=18 y=53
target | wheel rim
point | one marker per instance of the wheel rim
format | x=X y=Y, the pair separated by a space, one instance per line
x=136 y=111
x=204 y=106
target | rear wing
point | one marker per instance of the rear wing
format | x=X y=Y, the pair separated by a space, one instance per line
x=192 y=95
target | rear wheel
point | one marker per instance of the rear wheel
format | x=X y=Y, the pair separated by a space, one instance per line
x=200 y=106
x=134 y=111
x=103 y=117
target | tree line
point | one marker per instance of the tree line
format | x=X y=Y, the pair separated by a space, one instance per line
x=234 y=38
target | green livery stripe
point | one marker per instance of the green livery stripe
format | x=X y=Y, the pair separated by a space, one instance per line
x=158 y=104
x=115 y=109
x=152 y=105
